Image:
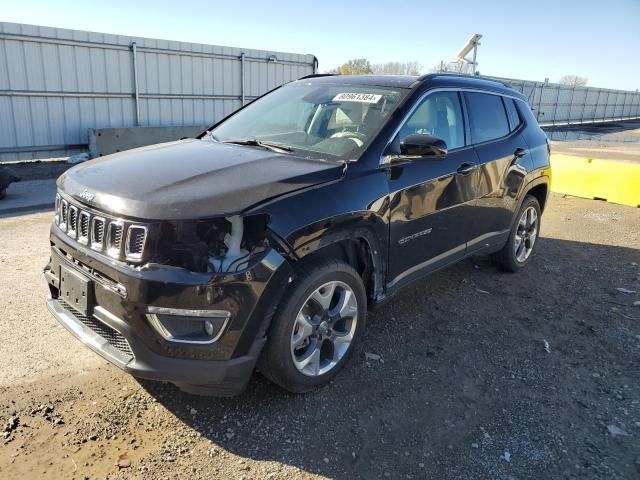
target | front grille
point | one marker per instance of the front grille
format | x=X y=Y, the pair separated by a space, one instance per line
x=113 y=337
x=117 y=238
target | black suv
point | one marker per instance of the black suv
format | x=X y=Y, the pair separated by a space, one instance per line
x=264 y=241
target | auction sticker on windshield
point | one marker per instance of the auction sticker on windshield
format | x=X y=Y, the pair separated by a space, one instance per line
x=357 y=97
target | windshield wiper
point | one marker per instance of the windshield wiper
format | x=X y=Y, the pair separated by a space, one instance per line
x=254 y=142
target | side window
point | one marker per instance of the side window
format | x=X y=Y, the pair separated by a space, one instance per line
x=488 y=118
x=512 y=112
x=440 y=115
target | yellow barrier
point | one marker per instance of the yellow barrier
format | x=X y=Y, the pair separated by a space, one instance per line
x=614 y=181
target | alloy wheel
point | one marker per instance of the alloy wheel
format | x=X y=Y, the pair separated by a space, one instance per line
x=324 y=328
x=526 y=234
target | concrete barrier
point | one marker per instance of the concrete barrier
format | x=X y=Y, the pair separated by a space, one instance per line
x=610 y=180
x=104 y=141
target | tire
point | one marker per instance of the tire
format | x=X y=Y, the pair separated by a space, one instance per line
x=294 y=367
x=518 y=250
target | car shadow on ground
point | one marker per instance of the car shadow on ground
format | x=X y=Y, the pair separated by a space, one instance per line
x=481 y=374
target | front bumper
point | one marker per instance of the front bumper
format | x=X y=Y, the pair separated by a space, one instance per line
x=117 y=327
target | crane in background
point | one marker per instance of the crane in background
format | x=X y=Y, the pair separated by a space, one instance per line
x=461 y=63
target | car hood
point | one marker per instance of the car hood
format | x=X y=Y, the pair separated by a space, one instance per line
x=191 y=179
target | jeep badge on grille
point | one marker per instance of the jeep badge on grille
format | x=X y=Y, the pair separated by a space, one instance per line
x=87 y=195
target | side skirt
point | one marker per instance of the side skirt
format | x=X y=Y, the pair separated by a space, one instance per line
x=488 y=243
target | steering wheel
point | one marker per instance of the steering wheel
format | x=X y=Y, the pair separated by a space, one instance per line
x=357 y=137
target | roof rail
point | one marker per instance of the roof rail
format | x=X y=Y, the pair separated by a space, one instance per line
x=460 y=75
x=314 y=75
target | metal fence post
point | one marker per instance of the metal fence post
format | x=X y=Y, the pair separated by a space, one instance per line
x=606 y=105
x=135 y=82
x=532 y=98
x=584 y=105
x=242 y=91
x=595 y=110
x=555 y=108
x=573 y=92
x=540 y=101
x=624 y=104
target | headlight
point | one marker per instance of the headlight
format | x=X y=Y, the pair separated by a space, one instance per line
x=217 y=245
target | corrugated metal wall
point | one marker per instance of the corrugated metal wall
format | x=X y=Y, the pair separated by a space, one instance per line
x=556 y=104
x=56 y=83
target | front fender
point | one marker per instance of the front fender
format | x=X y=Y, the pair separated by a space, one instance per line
x=355 y=207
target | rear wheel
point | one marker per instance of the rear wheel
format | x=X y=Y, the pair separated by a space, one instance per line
x=519 y=247
x=316 y=327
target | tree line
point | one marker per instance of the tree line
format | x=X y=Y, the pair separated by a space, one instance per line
x=362 y=66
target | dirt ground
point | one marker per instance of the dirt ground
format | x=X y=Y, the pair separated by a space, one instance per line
x=481 y=374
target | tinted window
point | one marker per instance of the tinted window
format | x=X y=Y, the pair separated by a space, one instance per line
x=512 y=112
x=439 y=115
x=487 y=116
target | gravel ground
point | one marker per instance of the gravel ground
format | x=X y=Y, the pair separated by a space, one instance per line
x=481 y=375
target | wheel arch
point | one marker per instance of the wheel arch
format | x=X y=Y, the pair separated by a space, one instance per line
x=540 y=192
x=359 y=246
x=539 y=187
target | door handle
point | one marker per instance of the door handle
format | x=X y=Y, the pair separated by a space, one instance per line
x=466 y=168
x=520 y=152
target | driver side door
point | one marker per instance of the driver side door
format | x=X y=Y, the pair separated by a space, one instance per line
x=431 y=200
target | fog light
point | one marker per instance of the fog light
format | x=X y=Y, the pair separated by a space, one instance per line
x=188 y=326
x=208 y=328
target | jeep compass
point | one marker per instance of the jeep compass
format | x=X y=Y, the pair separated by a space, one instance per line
x=263 y=242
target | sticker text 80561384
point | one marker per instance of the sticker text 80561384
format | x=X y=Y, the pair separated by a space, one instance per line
x=357 y=97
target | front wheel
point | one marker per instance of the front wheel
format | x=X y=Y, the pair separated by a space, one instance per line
x=315 y=329
x=517 y=251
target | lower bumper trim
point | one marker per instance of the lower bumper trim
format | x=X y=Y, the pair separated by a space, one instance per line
x=89 y=329
x=209 y=377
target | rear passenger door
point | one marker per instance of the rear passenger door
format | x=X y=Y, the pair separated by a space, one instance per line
x=495 y=126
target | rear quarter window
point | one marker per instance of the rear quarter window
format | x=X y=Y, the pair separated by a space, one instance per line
x=512 y=113
x=487 y=117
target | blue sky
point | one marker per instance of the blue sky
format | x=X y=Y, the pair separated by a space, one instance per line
x=522 y=39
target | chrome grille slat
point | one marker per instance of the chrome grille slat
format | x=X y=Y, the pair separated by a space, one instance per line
x=112 y=236
x=83 y=227
x=114 y=239
x=64 y=211
x=56 y=214
x=72 y=226
x=97 y=233
x=136 y=239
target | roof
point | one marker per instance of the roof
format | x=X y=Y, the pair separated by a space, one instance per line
x=412 y=81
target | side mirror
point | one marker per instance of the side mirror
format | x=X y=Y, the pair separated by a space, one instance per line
x=425 y=147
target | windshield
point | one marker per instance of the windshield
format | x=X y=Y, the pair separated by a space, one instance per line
x=318 y=120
